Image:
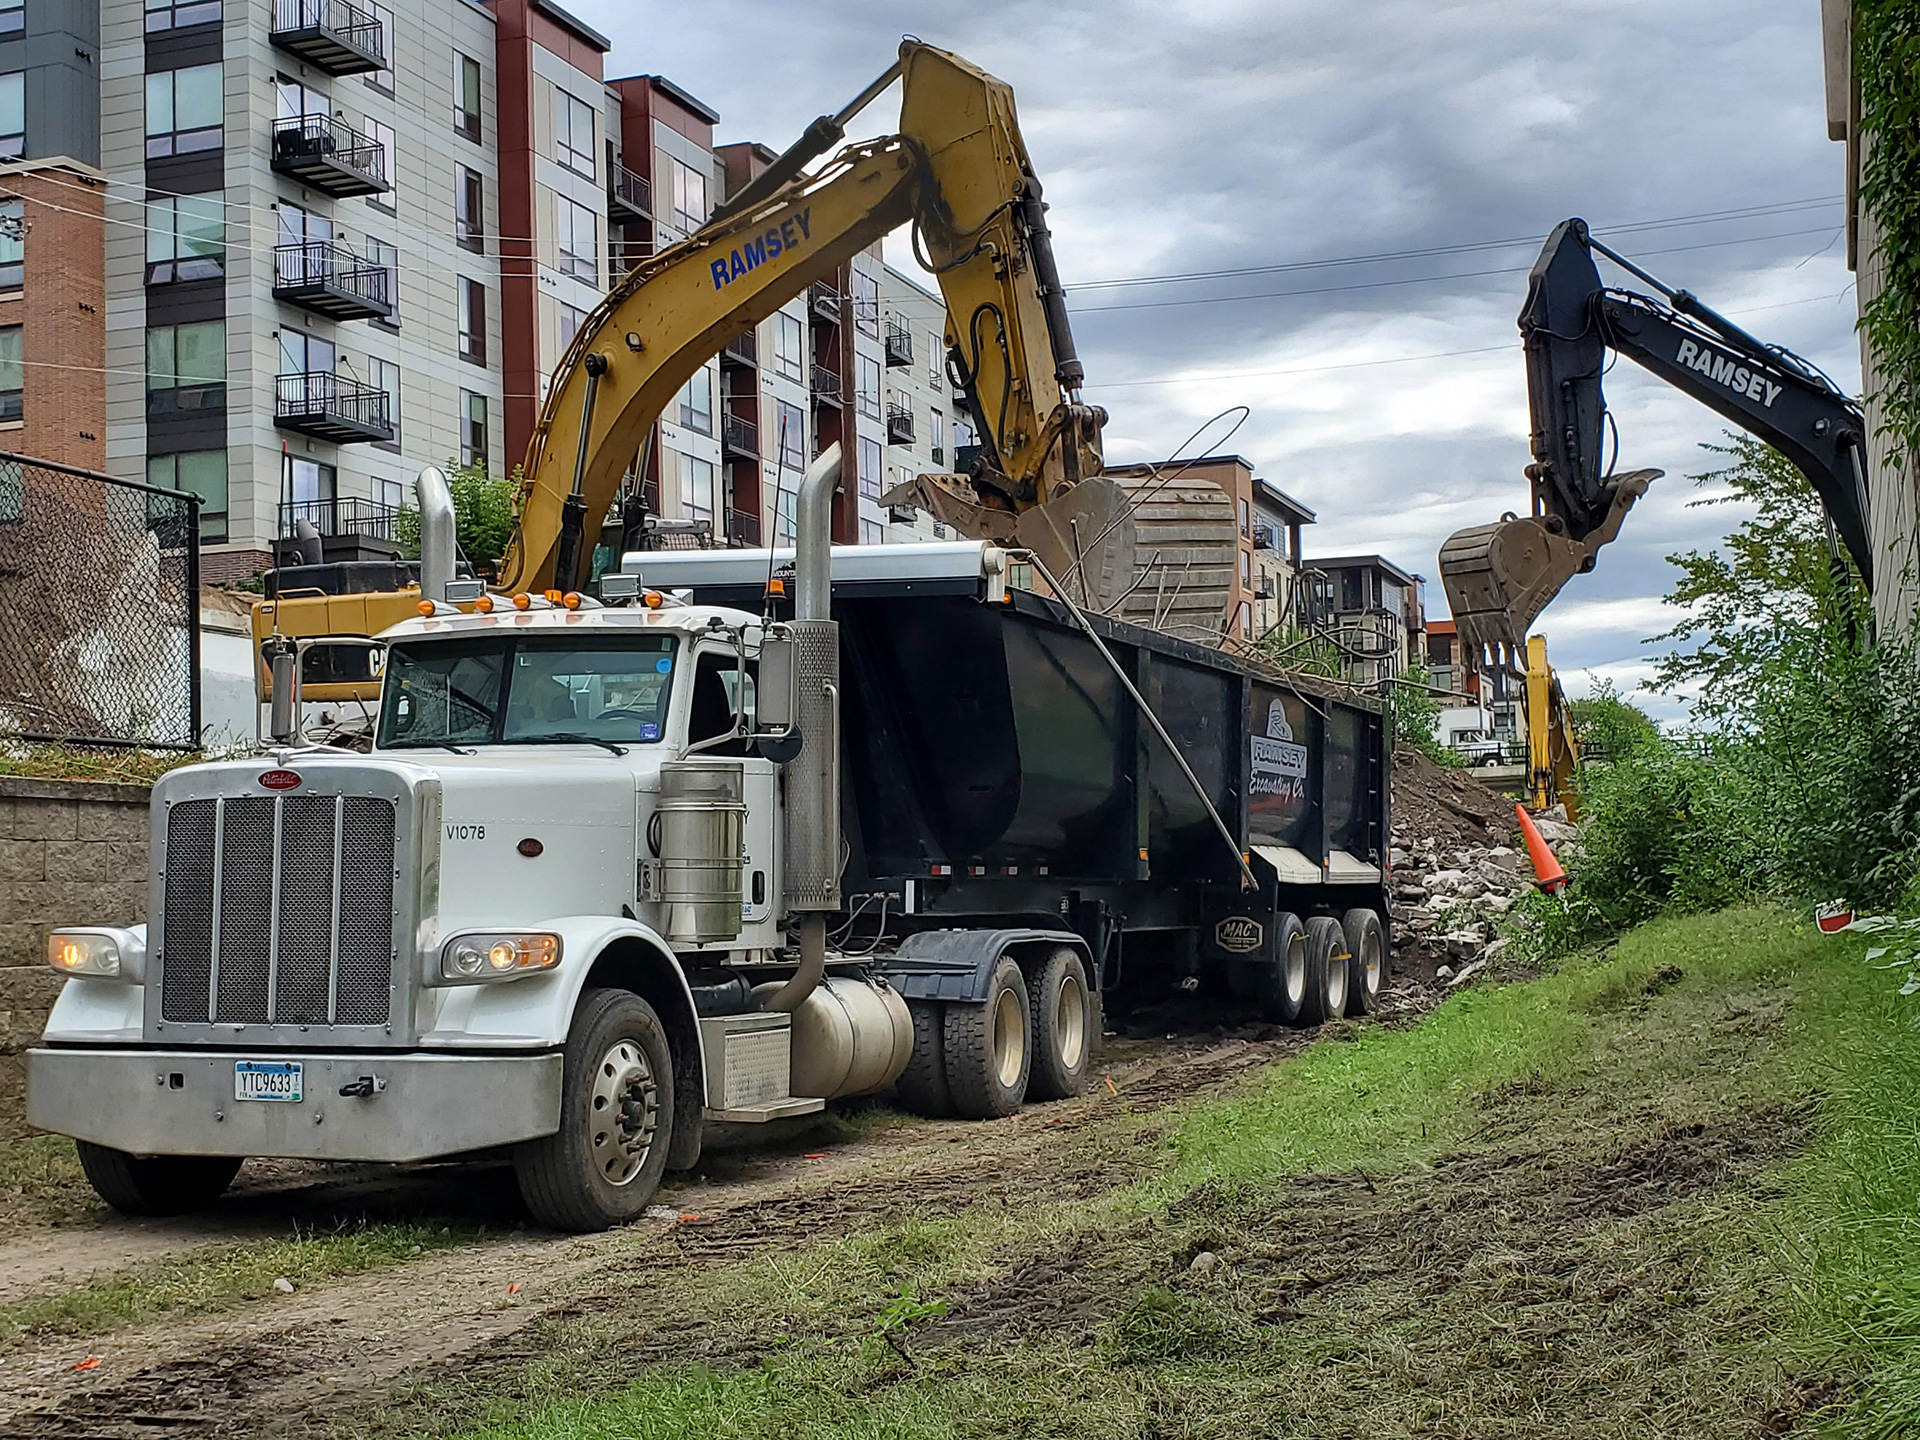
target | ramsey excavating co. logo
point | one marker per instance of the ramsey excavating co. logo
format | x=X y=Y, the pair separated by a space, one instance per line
x=789 y=234
x=1724 y=370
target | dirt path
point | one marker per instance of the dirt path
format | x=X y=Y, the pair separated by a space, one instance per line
x=283 y=1363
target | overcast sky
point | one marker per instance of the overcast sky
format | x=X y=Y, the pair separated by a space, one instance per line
x=1388 y=396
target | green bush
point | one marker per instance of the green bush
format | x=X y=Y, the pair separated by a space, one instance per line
x=1609 y=725
x=482 y=516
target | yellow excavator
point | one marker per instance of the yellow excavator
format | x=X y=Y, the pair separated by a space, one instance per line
x=958 y=173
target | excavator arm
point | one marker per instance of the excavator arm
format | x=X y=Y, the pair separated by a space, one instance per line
x=959 y=172
x=1499 y=577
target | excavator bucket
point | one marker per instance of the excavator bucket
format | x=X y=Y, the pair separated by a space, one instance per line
x=1500 y=577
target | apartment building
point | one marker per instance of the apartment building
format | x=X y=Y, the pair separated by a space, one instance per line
x=1277 y=518
x=927 y=430
x=1371 y=608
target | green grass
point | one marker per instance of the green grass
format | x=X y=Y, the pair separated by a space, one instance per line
x=217 y=1276
x=1551 y=1209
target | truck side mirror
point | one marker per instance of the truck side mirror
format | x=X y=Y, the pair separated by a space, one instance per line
x=776 y=696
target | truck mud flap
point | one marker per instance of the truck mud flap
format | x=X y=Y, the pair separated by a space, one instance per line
x=954 y=965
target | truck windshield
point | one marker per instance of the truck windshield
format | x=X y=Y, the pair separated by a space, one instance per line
x=526 y=690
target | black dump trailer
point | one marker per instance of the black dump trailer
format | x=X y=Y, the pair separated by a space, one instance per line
x=1001 y=788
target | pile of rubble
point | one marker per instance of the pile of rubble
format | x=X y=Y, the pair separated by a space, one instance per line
x=1457 y=867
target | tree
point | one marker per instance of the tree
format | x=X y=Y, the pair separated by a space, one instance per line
x=482 y=516
x=1608 y=725
x=1416 y=714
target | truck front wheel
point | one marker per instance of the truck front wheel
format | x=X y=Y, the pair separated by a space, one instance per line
x=155 y=1184
x=603 y=1164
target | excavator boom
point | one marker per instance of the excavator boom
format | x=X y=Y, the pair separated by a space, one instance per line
x=1499 y=577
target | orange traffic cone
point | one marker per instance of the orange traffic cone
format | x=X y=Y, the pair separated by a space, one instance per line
x=1547 y=873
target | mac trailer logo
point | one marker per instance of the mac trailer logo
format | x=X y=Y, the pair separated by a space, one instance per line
x=1724 y=370
x=789 y=234
x=1239 y=934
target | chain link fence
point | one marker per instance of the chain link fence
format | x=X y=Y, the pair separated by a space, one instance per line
x=100 y=599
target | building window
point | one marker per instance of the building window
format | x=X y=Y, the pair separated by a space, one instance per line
x=473 y=430
x=573 y=133
x=13 y=115
x=689 y=195
x=390 y=493
x=382 y=135
x=186 y=368
x=784 y=521
x=1246 y=569
x=302 y=354
x=790 y=429
x=866 y=304
x=469 y=211
x=696 y=402
x=186 y=238
x=872 y=464
x=198 y=472
x=962 y=438
x=313 y=484
x=1246 y=519
x=13 y=244
x=185 y=110
x=13 y=16
x=867 y=373
x=12 y=372
x=385 y=375
x=579 y=231
x=466 y=96
x=381 y=79
x=789 y=346
x=161 y=14
x=696 y=487
x=387 y=257
x=570 y=322
x=473 y=321
x=937 y=436
x=936 y=360
x=872 y=532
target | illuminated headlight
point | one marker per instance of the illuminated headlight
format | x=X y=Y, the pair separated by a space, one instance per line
x=100 y=954
x=475 y=959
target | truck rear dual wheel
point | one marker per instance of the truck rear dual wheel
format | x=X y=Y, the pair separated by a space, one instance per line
x=602 y=1166
x=156 y=1184
x=922 y=1086
x=988 y=1048
x=1367 y=971
x=1065 y=1019
x=1328 y=958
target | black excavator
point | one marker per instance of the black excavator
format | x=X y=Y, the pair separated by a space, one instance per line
x=1499 y=577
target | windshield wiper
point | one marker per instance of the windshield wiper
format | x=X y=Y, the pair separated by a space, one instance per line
x=572 y=737
x=430 y=745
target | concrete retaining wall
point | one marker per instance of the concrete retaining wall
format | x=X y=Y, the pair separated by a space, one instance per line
x=72 y=852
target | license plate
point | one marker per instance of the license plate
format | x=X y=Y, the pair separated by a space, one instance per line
x=267 y=1080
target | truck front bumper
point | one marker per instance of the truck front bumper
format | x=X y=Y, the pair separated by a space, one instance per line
x=181 y=1102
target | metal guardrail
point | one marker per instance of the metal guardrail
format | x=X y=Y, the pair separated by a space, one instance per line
x=744 y=347
x=741 y=434
x=825 y=382
x=100 y=585
x=631 y=190
x=340 y=515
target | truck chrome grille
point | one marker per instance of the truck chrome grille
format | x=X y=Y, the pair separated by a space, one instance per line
x=279 y=911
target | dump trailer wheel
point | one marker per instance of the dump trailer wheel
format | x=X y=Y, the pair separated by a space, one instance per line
x=601 y=1167
x=1064 y=1019
x=922 y=1086
x=1328 y=959
x=989 y=1047
x=1367 y=970
x=155 y=1184
x=1283 y=989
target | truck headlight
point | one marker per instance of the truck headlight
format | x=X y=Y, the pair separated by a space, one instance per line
x=100 y=953
x=477 y=959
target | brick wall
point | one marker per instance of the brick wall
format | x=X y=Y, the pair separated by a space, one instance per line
x=71 y=853
x=62 y=307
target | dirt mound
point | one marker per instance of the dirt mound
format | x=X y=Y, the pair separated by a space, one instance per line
x=1448 y=806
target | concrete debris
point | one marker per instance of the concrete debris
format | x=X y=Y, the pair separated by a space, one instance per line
x=1465 y=973
x=1203 y=1263
x=283 y=1285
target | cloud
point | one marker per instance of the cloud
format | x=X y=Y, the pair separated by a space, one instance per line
x=1189 y=137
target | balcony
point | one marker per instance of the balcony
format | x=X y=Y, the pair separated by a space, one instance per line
x=743 y=349
x=330 y=35
x=899 y=425
x=899 y=344
x=329 y=279
x=824 y=301
x=740 y=436
x=743 y=529
x=333 y=516
x=1265 y=537
x=331 y=407
x=328 y=155
x=629 y=196
x=826 y=384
